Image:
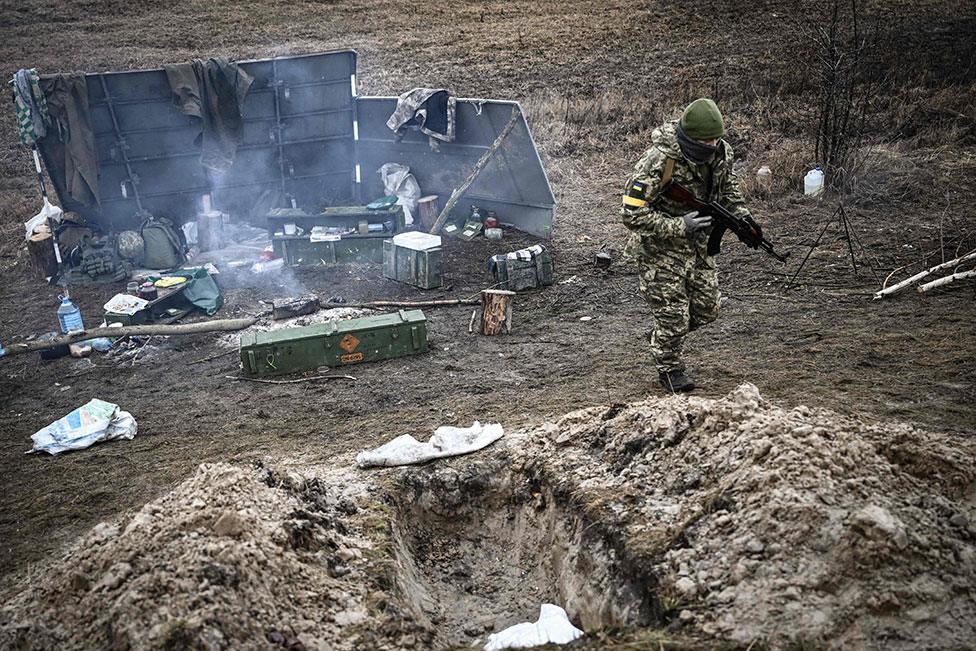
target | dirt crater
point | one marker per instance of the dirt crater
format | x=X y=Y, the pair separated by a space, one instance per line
x=480 y=548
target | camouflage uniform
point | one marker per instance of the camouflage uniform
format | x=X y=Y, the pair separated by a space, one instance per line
x=677 y=276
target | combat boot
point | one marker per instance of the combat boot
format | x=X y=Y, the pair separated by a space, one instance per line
x=676 y=381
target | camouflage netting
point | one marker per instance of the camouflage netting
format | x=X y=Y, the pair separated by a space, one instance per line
x=781 y=525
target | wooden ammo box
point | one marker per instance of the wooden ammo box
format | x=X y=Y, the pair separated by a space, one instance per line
x=413 y=258
x=335 y=343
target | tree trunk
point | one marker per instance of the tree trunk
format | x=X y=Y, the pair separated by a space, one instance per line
x=40 y=246
x=496 y=311
x=428 y=211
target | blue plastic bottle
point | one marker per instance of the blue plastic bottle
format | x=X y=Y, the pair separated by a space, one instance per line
x=69 y=315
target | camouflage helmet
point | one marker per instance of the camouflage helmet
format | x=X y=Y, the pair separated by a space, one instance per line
x=131 y=245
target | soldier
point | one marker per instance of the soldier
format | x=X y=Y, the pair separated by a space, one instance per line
x=677 y=276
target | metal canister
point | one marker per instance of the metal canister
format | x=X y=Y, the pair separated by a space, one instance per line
x=148 y=292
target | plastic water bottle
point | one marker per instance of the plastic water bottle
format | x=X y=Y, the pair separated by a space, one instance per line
x=813 y=182
x=69 y=315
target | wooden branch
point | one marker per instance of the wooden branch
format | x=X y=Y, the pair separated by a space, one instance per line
x=214 y=356
x=447 y=302
x=922 y=274
x=220 y=325
x=303 y=379
x=480 y=165
x=947 y=280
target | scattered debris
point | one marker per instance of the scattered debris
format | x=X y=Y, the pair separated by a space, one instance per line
x=218 y=325
x=91 y=423
x=289 y=308
x=446 y=441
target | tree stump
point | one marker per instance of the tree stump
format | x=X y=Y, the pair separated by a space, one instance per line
x=428 y=211
x=496 y=311
x=40 y=246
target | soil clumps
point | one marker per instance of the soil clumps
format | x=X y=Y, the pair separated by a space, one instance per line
x=723 y=521
x=780 y=526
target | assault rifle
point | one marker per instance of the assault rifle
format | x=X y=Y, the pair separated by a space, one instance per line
x=747 y=230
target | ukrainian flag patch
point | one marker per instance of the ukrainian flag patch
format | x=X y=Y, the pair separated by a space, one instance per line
x=636 y=195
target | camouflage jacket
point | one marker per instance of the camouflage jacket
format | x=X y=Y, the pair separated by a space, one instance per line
x=657 y=229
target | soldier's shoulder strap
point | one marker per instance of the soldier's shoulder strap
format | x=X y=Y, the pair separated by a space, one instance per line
x=668 y=171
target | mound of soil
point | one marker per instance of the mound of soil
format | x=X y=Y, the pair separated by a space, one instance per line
x=234 y=557
x=725 y=521
x=763 y=524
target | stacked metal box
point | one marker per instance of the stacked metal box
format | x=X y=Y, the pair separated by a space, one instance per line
x=413 y=258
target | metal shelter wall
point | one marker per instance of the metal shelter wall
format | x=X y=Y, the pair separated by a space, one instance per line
x=307 y=138
x=513 y=183
x=298 y=142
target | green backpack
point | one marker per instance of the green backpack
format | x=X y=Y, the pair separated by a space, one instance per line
x=164 y=244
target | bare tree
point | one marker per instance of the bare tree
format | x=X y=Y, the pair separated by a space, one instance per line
x=848 y=81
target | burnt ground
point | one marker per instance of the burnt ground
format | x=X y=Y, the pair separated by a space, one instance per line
x=824 y=342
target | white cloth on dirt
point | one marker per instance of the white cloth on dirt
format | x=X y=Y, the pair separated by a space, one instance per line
x=94 y=421
x=553 y=627
x=446 y=441
x=397 y=180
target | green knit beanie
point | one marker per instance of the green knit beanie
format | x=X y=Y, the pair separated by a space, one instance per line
x=702 y=120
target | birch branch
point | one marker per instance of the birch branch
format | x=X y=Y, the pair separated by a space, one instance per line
x=922 y=274
x=947 y=280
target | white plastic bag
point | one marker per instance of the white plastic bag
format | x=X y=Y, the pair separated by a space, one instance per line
x=48 y=211
x=94 y=421
x=446 y=442
x=553 y=627
x=398 y=180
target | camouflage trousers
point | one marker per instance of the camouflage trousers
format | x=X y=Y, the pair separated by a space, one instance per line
x=683 y=297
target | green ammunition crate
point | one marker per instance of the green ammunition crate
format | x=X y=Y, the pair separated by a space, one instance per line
x=335 y=343
x=341 y=216
x=300 y=250
x=418 y=268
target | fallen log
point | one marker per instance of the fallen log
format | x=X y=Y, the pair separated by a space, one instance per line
x=947 y=280
x=220 y=325
x=887 y=291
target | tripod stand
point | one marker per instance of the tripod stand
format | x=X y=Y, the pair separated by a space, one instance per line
x=839 y=215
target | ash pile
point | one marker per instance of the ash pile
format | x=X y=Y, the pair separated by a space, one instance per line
x=780 y=526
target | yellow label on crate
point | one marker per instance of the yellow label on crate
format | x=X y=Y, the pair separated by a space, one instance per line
x=348 y=343
x=349 y=359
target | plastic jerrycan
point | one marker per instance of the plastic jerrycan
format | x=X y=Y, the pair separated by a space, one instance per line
x=813 y=182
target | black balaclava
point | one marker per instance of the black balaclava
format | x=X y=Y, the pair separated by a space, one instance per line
x=697 y=152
